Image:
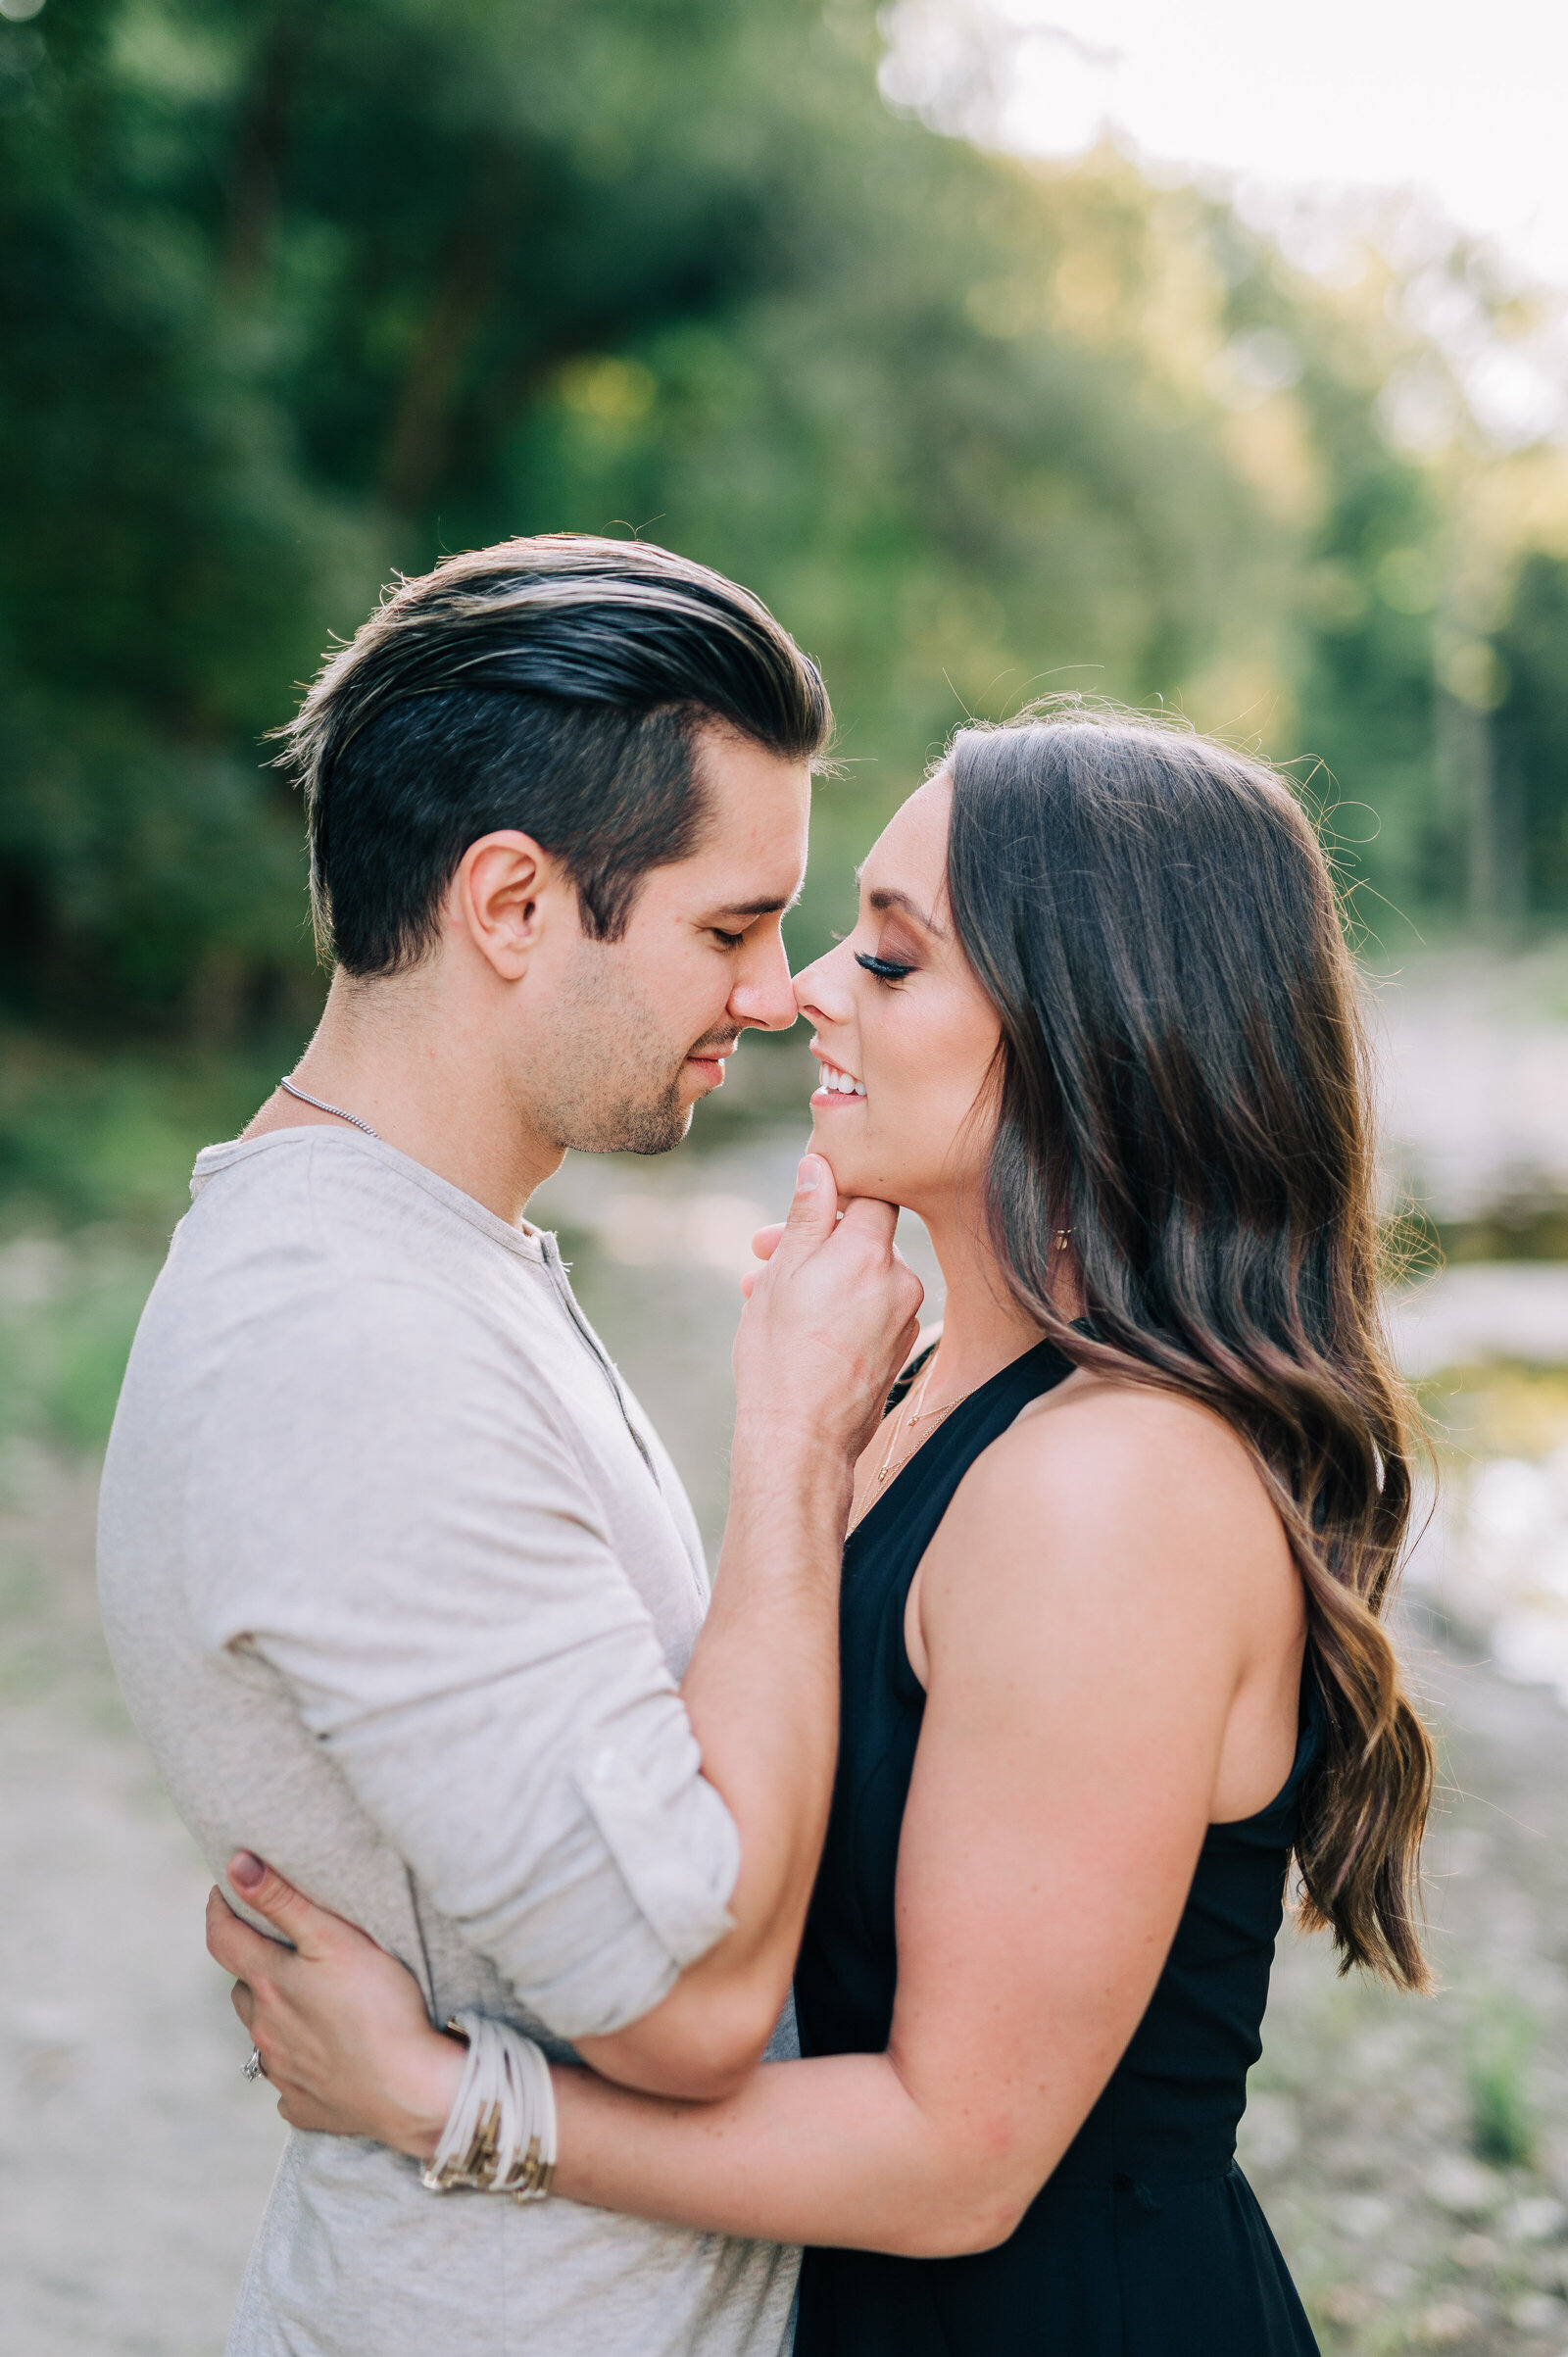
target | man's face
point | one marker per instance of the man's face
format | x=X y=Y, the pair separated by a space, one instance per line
x=643 y=1023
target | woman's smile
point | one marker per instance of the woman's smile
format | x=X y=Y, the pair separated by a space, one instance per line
x=836 y=1085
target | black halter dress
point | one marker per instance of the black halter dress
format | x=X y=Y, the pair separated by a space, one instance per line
x=1147 y=2240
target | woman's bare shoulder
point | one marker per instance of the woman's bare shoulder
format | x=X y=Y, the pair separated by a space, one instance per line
x=1123 y=1421
x=1096 y=1455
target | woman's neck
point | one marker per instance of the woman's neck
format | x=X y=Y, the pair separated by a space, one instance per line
x=983 y=1327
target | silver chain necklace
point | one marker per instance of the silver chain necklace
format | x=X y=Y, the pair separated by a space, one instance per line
x=336 y=1110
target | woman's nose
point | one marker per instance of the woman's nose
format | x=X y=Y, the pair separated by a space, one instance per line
x=822 y=991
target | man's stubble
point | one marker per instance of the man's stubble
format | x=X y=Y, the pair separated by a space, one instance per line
x=616 y=1086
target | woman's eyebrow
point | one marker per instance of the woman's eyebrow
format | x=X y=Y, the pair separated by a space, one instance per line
x=887 y=896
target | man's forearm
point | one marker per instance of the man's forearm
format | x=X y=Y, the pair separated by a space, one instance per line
x=828 y=1323
x=762 y=1686
x=761 y=1691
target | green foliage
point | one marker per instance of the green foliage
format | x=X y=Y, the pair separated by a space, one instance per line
x=1502 y=2126
x=95 y=1158
x=162 y=564
x=295 y=294
x=1368 y=681
x=67 y=1316
x=1532 y=728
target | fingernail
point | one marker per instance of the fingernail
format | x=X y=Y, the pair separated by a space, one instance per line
x=245 y=1870
x=806 y=1176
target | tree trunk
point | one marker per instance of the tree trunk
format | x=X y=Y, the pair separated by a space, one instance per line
x=1479 y=791
x=251 y=232
x=416 y=444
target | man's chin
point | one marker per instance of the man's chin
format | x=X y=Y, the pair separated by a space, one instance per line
x=629 y=1128
x=662 y=1136
x=657 y=1128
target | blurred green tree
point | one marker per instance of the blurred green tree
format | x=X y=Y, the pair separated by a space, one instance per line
x=1531 y=730
x=294 y=294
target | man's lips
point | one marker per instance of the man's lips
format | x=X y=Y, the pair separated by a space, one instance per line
x=710 y=1062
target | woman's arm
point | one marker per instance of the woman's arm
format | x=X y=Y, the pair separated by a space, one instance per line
x=1110 y=1580
x=344 y=2038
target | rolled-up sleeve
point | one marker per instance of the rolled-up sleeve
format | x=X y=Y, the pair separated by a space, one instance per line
x=429 y=1570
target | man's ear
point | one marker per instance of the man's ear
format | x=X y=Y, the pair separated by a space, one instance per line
x=506 y=891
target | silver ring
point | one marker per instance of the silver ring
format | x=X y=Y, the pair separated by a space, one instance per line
x=253 y=2067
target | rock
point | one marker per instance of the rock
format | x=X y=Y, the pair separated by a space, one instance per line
x=1464 y=2188
x=1444 y=2323
x=1538 y=2312
x=1363 y=2217
x=1539 y=2218
x=1346 y=2304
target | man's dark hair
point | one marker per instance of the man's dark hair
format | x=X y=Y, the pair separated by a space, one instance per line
x=555 y=685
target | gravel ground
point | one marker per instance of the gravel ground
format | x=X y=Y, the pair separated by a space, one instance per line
x=134 y=2162
x=1413 y=2154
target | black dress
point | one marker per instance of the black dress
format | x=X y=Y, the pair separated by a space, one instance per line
x=1147 y=2240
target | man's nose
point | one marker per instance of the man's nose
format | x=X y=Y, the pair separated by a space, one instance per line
x=763 y=995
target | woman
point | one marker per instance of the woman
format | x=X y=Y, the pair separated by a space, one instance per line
x=1111 y=1637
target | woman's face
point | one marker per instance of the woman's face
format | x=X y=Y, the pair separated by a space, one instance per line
x=903 y=1030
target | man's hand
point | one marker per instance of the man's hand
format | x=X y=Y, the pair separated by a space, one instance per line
x=828 y=1322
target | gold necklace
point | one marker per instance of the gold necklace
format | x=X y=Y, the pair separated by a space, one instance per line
x=910 y=1418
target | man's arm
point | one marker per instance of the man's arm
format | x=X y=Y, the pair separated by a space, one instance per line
x=438 y=1593
x=829 y=1322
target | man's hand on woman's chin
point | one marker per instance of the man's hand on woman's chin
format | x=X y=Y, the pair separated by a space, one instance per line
x=339 y=2025
x=829 y=1321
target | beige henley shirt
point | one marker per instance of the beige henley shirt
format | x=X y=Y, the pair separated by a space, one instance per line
x=398 y=1582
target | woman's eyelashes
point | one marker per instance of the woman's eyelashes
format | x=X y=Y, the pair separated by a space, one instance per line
x=886 y=969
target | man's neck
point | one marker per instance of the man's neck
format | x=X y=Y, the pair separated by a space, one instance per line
x=413 y=1072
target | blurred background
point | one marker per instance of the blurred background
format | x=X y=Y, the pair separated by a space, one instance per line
x=1211 y=357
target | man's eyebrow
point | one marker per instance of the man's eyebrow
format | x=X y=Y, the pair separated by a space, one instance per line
x=773 y=907
x=887 y=896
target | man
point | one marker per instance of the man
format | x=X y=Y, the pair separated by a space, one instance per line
x=397 y=1577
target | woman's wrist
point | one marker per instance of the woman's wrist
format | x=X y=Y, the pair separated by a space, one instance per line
x=424 y=2094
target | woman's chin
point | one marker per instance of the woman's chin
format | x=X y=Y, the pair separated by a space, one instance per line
x=853 y=1170
x=834 y=1149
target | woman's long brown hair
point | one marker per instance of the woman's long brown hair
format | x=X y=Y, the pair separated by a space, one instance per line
x=1183 y=1084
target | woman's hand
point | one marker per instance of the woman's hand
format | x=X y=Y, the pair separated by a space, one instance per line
x=340 y=2025
x=765 y=1243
